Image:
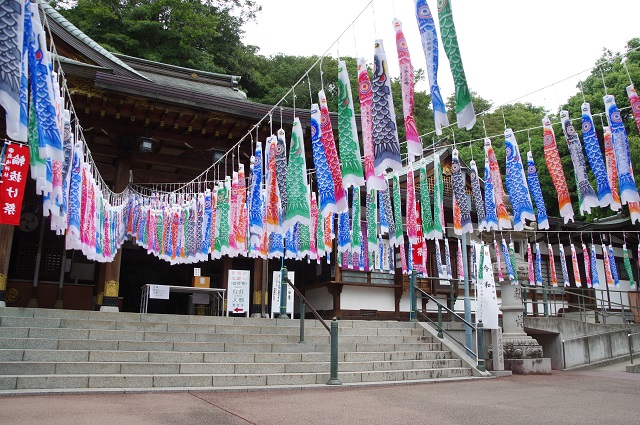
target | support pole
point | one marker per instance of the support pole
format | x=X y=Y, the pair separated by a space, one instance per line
x=333 y=380
x=412 y=297
x=284 y=274
x=6 y=241
x=59 y=303
x=33 y=301
x=481 y=346
x=302 y=314
x=468 y=335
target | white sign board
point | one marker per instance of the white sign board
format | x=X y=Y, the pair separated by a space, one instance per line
x=487 y=303
x=196 y=271
x=238 y=291
x=159 y=292
x=275 y=293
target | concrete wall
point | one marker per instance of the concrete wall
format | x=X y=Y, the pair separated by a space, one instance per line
x=320 y=298
x=368 y=298
x=608 y=341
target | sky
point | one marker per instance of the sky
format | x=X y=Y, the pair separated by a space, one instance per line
x=509 y=48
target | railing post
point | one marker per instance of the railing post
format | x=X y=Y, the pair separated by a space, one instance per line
x=564 y=357
x=545 y=300
x=451 y=302
x=284 y=274
x=412 y=296
x=480 y=330
x=302 y=314
x=333 y=379
x=630 y=337
x=440 y=335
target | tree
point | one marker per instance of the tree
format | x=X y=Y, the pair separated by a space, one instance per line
x=190 y=33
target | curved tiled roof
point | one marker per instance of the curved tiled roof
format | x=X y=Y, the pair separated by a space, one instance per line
x=101 y=55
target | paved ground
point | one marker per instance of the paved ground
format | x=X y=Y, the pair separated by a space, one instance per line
x=601 y=396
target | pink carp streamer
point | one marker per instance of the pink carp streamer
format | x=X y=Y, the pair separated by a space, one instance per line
x=414 y=146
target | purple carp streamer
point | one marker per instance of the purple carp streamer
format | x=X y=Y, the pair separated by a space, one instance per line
x=489 y=200
x=563 y=264
x=477 y=196
x=587 y=196
x=460 y=193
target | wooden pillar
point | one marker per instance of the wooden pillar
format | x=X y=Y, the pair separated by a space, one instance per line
x=227 y=263
x=33 y=300
x=258 y=297
x=6 y=240
x=112 y=270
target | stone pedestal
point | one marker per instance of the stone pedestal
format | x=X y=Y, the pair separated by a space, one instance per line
x=522 y=353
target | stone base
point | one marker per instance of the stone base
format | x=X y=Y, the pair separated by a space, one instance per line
x=109 y=308
x=501 y=373
x=541 y=366
x=3 y=304
x=633 y=368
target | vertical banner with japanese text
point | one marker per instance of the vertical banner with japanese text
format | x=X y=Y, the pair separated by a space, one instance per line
x=238 y=291
x=14 y=176
x=275 y=293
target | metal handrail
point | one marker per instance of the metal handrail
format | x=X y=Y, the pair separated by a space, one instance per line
x=564 y=358
x=630 y=339
x=584 y=306
x=442 y=331
x=333 y=330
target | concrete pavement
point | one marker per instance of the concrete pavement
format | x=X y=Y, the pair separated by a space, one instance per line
x=600 y=396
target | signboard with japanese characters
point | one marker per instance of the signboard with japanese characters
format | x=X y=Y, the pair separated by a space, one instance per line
x=487 y=303
x=238 y=292
x=14 y=176
x=159 y=292
x=275 y=293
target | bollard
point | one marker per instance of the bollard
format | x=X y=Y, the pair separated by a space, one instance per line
x=440 y=335
x=412 y=296
x=333 y=379
x=284 y=274
x=480 y=331
x=302 y=313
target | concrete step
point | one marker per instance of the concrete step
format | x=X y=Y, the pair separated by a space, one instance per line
x=145 y=367
x=65 y=349
x=84 y=381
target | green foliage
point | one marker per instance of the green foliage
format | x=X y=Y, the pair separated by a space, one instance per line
x=190 y=33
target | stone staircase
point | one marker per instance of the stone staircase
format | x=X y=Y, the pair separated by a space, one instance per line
x=44 y=350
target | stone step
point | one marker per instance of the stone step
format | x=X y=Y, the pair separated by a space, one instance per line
x=83 y=381
x=275 y=347
x=8 y=322
x=157 y=368
x=46 y=317
x=38 y=355
x=104 y=334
